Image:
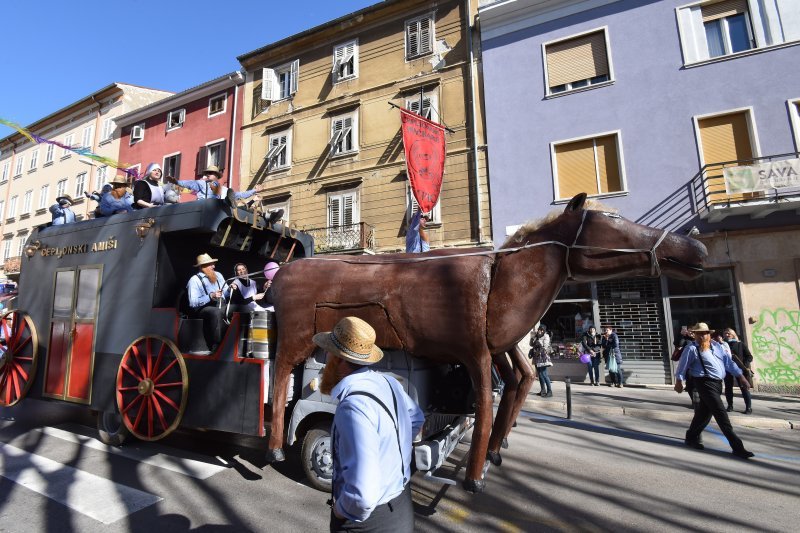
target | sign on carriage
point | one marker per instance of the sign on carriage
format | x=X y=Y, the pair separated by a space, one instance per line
x=424 y=146
x=762 y=177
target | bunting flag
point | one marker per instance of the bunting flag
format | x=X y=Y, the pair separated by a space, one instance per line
x=424 y=146
x=80 y=150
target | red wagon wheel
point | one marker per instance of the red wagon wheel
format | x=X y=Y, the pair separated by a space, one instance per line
x=152 y=384
x=18 y=355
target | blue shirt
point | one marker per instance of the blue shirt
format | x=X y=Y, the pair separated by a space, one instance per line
x=715 y=363
x=61 y=215
x=110 y=205
x=200 y=287
x=414 y=242
x=202 y=190
x=367 y=464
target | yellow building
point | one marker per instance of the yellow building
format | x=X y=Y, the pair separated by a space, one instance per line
x=319 y=132
x=33 y=175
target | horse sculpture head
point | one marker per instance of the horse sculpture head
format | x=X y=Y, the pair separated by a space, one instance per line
x=602 y=245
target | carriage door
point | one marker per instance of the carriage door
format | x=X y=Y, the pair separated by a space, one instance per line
x=70 y=357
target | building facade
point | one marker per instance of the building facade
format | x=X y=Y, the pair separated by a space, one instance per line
x=319 y=133
x=32 y=175
x=187 y=132
x=683 y=115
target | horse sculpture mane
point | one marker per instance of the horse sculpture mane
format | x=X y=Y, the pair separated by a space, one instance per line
x=466 y=306
x=534 y=225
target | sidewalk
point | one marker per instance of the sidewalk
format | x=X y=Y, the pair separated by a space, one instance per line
x=661 y=402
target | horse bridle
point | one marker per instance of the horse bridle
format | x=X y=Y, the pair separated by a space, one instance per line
x=655 y=269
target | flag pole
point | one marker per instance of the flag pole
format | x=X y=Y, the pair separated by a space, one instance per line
x=448 y=130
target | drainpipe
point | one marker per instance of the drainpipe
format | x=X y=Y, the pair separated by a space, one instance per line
x=238 y=78
x=474 y=126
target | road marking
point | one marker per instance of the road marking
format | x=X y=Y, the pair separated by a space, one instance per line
x=88 y=494
x=195 y=468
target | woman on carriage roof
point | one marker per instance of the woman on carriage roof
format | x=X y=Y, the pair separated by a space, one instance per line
x=147 y=192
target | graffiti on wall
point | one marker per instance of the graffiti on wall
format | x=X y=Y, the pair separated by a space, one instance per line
x=776 y=346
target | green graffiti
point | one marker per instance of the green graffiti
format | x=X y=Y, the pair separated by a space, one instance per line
x=776 y=346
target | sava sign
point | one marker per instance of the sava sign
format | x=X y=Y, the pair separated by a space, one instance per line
x=762 y=177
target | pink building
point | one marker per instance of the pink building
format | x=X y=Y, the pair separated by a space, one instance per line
x=188 y=131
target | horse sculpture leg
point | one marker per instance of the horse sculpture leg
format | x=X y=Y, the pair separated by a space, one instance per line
x=481 y=373
x=523 y=366
x=281 y=382
x=502 y=420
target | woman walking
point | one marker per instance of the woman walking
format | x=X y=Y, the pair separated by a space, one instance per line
x=540 y=356
x=590 y=344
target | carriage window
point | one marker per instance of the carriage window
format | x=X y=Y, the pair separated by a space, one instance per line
x=88 y=284
x=62 y=301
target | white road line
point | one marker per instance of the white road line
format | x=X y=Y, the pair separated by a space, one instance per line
x=88 y=494
x=187 y=467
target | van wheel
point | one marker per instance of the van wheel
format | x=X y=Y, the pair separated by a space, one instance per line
x=317 y=456
x=111 y=428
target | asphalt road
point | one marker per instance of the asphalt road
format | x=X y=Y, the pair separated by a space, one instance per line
x=594 y=473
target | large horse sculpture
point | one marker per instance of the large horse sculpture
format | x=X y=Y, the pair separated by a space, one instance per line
x=467 y=306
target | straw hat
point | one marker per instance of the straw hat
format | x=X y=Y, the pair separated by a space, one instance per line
x=205 y=259
x=353 y=340
x=701 y=327
x=213 y=169
x=119 y=180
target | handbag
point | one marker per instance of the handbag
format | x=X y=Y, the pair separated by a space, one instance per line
x=612 y=364
x=676 y=354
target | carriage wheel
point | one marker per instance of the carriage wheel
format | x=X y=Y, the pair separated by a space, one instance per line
x=152 y=384
x=18 y=356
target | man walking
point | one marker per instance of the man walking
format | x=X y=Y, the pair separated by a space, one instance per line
x=373 y=428
x=707 y=363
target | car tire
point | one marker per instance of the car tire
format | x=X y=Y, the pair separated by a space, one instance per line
x=111 y=429
x=316 y=455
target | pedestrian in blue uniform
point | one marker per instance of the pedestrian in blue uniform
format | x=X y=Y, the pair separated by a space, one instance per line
x=372 y=433
x=61 y=212
x=706 y=361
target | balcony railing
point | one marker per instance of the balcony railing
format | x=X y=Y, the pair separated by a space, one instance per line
x=755 y=187
x=349 y=239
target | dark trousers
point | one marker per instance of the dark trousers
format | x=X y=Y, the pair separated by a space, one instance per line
x=710 y=404
x=729 y=392
x=396 y=516
x=213 y=324
x=594 y=369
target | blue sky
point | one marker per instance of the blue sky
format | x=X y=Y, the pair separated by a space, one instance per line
x=56 y=53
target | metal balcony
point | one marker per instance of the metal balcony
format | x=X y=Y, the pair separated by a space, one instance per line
x=753 y=187
x=351 y=239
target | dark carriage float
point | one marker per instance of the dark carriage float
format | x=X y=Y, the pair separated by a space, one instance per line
x=101 y=322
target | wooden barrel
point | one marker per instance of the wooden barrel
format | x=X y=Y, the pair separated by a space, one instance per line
x=261 y=337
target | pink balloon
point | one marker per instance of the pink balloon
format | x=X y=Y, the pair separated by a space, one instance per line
x=270 y=269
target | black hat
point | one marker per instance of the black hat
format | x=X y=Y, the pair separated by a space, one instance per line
x=65 y=198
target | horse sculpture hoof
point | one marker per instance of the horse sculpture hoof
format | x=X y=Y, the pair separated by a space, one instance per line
x=275 y=455
x=474 y=485
x=504 y=444
x=494 y=457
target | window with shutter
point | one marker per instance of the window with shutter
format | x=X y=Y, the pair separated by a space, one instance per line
x=217 y=105
x=412 y=207
x=724 y=138
x=172 y=166
x=345 y=61
x=343 y=217
x=108 y=129
x=278 y=156
x=137 y=133
x=577 y=62
x=429 y=105
x=727 y=27
x=588 y=165
x=48 y=153
x=343 y=135
x=44 y=194
x=269 y=85
x=88 y=137
x=419 y=36
x=20 y=165
x=68 y=140
x=175 y=119
x=34 y=159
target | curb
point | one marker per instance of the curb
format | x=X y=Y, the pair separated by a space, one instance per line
x=650 y=414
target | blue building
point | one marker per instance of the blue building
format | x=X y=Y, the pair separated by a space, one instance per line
x=683 y=115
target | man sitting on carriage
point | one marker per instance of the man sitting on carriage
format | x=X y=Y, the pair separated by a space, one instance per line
x=207 y=291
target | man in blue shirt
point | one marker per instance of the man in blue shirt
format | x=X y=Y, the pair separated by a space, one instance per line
x=416 y=237
x=206 y=290
x=61 y=212
x=707 y=362
x=372 y=433
x=209 y=186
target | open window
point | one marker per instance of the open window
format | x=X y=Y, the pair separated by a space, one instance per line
x=278 y=155
x=345 y=61
x=344 y=138
x=281 y=82
x=175 y=119
x=577 y=62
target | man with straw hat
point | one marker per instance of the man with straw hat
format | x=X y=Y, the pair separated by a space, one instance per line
x=118 y=199
x=373 y=428
x=206 y=291
x=61 y=212
x=707 y=362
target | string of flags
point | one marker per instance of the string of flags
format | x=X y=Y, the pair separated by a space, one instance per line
x=82 y=151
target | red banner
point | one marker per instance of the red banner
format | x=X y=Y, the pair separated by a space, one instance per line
x=423 y=141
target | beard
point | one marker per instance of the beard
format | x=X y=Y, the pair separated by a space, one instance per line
x=330 y=378
x=211 y=273
x=704 y=343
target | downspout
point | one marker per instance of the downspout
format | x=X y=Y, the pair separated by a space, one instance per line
x=238 y=76
x=474 y=127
